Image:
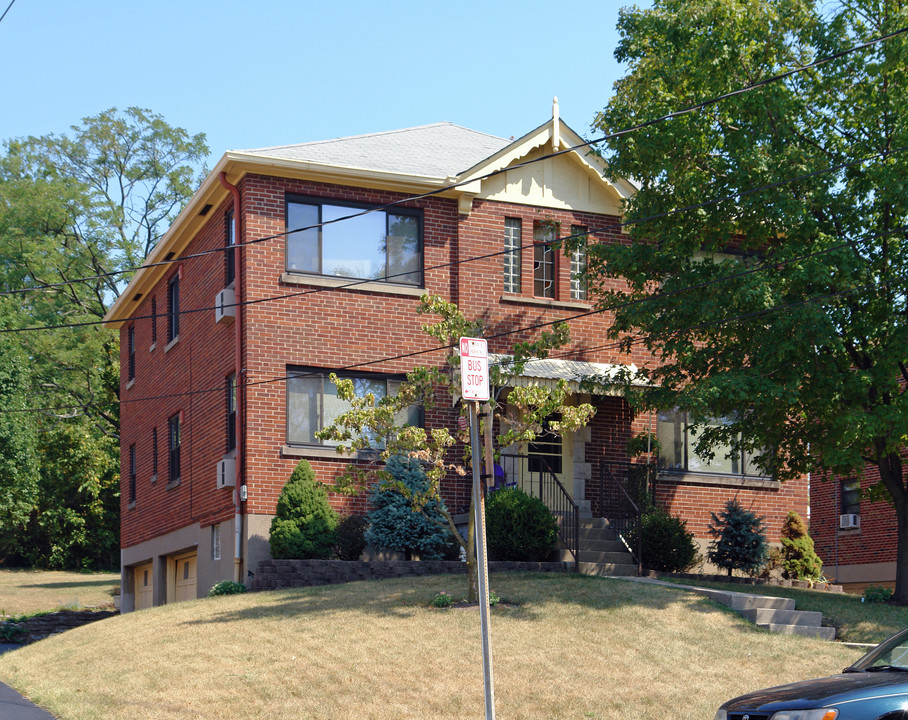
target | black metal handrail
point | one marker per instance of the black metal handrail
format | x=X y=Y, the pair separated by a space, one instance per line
x=616 y=504
x=545 y=485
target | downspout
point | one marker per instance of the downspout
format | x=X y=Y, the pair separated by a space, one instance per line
x=240 y=489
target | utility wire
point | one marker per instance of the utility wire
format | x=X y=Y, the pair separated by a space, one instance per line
x=537 y=326
x=7 y=10
x=437 y=191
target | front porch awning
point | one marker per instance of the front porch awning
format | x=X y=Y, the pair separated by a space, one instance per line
x=581 y=376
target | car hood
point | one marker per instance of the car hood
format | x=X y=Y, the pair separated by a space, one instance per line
x=825 y=691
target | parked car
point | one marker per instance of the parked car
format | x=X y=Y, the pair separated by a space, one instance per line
x=874 y=688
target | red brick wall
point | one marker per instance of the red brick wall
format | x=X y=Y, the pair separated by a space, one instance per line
x=332 y=329
x=874 y=542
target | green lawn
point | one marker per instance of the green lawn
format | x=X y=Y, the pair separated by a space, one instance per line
x=562 y=647
x=24 y=592
x=854 y=621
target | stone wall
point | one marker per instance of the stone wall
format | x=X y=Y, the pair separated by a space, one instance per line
x=274 y=574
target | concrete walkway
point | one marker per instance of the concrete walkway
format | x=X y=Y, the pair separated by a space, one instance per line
x=15 y=707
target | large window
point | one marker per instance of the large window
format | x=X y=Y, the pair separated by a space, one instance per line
x=173 y=427
x=677 y=440
x=543 y=261
x=173 y=308
x=511 y=257
x=313 y=404
x=578 y=265
x=383 y=245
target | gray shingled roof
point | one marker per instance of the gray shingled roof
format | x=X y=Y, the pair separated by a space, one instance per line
x=439 y=150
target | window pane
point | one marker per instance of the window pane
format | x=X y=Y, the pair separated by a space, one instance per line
x=404 y=256
x=724 y=461
x=353 y=248
x=578 y=266
x=302 y=246
x=512 y=232
x=670 y=431
x=303 y=407
x=544 y=262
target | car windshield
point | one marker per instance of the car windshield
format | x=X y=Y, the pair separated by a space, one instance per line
x=891 y=654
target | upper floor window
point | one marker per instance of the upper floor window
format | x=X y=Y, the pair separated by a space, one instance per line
x=544 y=260
x=313 y=404
x=851 y=497
x=677 y=439
x=231 y=412
x=578 y=264
x=131 y=350
x=229 y=253
x=173 y=433
x=132 y=474
x=384 y=245
x=173 y=308
x=154 y=321
x=154 y=452
x=511 y=257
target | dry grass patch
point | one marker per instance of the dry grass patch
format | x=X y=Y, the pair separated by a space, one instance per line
x=573 y=647
x=24 y=592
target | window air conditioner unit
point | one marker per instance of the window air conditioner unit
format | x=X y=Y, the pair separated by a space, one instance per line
x=226 y=473
x=849 y=521
x=224 y=305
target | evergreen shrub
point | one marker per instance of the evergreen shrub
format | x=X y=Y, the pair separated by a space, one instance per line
x=305 y=525
x=799 y=559
x=351 y=537
x=519 y=527
x=739 y=539
x=399 y=519
x=226 y=587
x=667 y=545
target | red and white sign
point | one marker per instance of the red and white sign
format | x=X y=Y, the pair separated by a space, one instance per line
x=474 y=369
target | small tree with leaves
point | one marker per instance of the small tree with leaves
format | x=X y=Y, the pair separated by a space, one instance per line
x=740 y=539
x=356 y=430
x=799 y=559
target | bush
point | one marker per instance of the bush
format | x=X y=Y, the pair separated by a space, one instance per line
x=351 y=540
x=668 y=546
x=876 y=594
x=519 y=527
x=227 y=587
x=740 y=540
x=305 y=524
x=799 y=559
x=396 y=524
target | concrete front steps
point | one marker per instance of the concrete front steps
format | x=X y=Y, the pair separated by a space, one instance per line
x=775 y=614
x=601 y=552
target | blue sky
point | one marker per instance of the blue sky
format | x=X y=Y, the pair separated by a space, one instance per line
x=271 y=72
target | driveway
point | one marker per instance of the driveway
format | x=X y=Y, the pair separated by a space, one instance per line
x=15 y=707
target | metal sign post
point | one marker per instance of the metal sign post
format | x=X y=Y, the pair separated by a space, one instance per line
x=482 y=562
x=474 y=383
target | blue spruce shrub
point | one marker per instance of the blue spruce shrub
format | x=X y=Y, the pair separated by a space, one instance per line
x=304 y=526
x=740 y=539
x=395 y=524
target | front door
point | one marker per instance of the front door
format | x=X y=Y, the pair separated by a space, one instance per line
x=552 y=453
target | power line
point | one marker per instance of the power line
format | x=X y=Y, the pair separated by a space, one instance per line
x=7 y=10
x=437 y=191
x=537 y=326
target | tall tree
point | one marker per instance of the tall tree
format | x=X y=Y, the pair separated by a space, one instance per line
x=89 y=204
x=781 y=308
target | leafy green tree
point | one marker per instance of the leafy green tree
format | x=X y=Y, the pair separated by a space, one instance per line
x=18 y=445
x=304 y=524
x=779 y=300
x=372 y=422
x=799 y=558
x=88 y=204
x=739 y=539
x=393 y=524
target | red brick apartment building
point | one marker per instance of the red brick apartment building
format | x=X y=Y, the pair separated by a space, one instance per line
x=854 y=536
x=225 y=355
